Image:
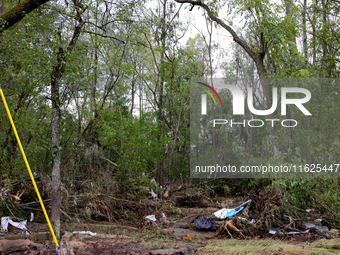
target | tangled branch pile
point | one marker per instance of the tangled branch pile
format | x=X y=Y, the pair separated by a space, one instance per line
x=109 y=208
x=260 y=215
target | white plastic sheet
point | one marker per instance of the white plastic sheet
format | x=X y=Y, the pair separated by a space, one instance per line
x=85 y=232
x=164 y=218
x=21 y=225
x=222 y=214
x=225 y=212
x=151 y=217
x=154 y=195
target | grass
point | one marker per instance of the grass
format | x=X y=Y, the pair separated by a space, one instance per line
x=270 y=246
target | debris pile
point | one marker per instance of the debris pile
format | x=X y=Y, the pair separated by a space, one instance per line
x=264 y=215
x=259 y=217
x=196 y=200
x=109 y=208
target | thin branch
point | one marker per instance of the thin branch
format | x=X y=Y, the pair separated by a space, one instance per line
x=236 y=38
x=105 y=36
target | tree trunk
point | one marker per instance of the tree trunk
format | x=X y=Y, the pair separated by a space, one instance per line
x=132 y=95
x=292 y=47
x=56 y=152
x=304 y=33
x=56 y=76
x=159 y=173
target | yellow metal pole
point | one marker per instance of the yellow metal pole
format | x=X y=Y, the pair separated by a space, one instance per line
x=28 y=168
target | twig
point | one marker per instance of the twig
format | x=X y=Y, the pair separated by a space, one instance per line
x=66 y=214
x=35 y=202
x=269 y=200
x=12 y=213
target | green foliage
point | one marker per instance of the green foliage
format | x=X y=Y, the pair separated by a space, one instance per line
x=320 y=195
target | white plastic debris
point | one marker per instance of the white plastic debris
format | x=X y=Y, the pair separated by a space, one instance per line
x=32 y=216
x=272 y=232
x=151 y=217
x=154 y=195
x=164 y=218
x=253 y=221
x=85 y=232
x=318 y=228
x=21 y=225
x=3 y=192
x=318 y=220
x=309 y=210
x=224 y=213
x=242 y=218
x=293 y=233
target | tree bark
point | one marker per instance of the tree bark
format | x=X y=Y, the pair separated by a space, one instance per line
x=304 y=33
x=17 y=13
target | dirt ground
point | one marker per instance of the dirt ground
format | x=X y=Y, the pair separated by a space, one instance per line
x=119 y=245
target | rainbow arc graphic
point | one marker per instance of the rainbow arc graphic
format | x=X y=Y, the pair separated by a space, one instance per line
x=209 y=93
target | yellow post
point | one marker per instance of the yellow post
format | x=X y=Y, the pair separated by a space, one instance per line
x=28 y=168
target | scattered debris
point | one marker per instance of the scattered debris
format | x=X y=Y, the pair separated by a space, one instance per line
x=16 y=198
x=273 y=230
x=167 y=192
x=110 y=208
x=229 y=213
x=85 y=232
x=331 y=233
x=262 y=212
x=164 y=218
x=203 y=223
x=187 y=237
x=317 y=228
x=154 y=195
x=151 y=217
x=21 y=225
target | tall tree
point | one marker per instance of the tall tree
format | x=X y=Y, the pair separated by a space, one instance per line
x=63 y=54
